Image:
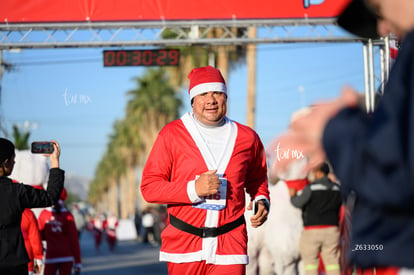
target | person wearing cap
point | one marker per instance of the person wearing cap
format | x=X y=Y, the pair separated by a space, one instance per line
x=372 y=155
x=200 y=166
x=58 y=229
x=320 y=201
x=14 y=199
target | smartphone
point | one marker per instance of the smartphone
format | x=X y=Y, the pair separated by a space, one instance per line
x=42 y=147
x=255 y=207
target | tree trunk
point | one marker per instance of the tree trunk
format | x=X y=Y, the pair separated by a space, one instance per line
x=251 y=80
x=132 y=186
x=124 y=197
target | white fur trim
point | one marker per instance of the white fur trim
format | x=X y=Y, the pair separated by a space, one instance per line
x=191 y=192
x=208 y=87
x=197 y=256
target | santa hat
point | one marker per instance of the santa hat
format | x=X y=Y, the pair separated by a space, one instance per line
x=63 y=197
x=206 y=79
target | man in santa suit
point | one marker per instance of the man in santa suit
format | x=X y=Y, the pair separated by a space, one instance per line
x=58 y=229
x=110 y=225
x=200 y=166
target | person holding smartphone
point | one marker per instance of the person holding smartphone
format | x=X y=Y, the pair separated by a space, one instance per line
x=14 y=199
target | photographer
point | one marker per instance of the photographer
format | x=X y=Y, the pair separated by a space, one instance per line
x=14 y=199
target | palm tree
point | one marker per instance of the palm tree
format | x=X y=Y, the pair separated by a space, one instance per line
x=108 y=176
x=21 y=140
x=224 y=57
x=4 y=67
x=151 y=105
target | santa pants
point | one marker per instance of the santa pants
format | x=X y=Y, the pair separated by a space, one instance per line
x=201 y=268
x=64 y=268
x=111 y=238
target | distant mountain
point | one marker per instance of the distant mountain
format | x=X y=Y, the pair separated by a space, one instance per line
x=77 y=185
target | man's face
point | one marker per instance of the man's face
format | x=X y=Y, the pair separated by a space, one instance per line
x=395 y=16
x=210 y=108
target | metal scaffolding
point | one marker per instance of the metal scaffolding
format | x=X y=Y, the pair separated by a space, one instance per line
x=196 y=32
x=149 y=33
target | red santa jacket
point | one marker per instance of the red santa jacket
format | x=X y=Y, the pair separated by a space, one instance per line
x=174 y=161
x=59 y=232
x=31 y=235
x=110 y=223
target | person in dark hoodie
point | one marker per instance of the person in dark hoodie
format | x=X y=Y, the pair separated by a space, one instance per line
x=320 y=202
x=14 y=199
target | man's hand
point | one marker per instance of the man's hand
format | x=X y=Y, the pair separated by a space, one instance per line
x=54 y=157
x=37 y=268
x=207 y=184
x=292 y=191
x=38 y=264
x=261 y=215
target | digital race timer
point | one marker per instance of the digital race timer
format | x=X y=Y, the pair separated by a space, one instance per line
x=159 y=57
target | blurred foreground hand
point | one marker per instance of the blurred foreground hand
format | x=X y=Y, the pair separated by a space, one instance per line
x=303 y=139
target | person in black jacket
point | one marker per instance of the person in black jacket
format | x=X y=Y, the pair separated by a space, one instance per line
x=372 y=155
x=320 y=202
x=14 y=199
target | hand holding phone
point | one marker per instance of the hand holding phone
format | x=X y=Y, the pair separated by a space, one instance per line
x=42 y=147
x=255 y=207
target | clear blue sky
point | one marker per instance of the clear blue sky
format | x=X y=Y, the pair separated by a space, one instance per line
x=43 y=88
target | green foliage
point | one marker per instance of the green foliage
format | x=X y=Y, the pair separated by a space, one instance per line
x=21 y=140
x=72 y=198
x=151 y=105
x=153 y=93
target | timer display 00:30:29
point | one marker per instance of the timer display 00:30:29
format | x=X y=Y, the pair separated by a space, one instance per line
x=159 y=57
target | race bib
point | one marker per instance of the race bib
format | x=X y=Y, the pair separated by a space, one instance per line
x=216 y=201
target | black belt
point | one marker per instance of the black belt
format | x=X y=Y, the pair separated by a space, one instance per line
x=206 y=232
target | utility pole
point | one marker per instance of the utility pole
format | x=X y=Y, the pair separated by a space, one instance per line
x=251 y=80
x=1 y=71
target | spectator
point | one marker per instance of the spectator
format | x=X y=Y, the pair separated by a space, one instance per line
x=79 y=219
x=138 y=223
x=148 y=223
x=14 y=199
x=372 y=155
x=58 y=229
x=320 y=202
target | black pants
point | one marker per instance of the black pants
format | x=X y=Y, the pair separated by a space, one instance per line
x=14 y=270
x=147 y=231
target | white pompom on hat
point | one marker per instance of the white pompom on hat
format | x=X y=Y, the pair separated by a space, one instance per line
x=206 y=79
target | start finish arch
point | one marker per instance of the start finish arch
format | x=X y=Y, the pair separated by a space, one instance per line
x=194 y=32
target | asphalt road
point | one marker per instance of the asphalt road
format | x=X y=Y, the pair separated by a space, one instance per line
x=128 y=258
